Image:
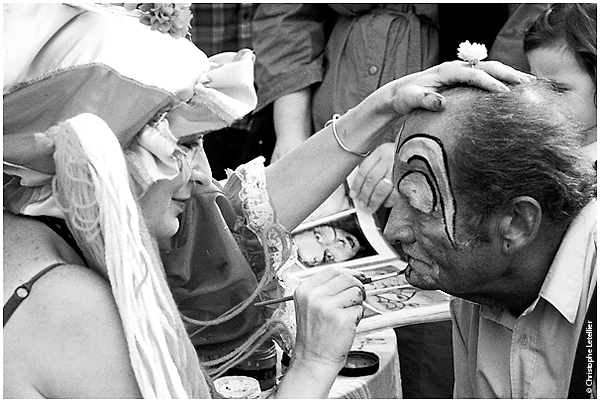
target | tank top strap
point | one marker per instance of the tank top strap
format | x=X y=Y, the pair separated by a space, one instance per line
x=22 y=292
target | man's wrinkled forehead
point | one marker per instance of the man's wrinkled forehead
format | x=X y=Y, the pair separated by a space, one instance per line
x=435 y=124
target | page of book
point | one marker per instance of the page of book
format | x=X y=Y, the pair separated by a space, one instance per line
x=391 y=302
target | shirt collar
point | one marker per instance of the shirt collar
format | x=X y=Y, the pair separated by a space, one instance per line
x=564 y=281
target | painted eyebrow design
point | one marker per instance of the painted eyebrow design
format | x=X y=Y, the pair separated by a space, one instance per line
x=447 y=219
x=398 y=143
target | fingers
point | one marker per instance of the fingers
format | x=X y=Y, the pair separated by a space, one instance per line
x=486 y=75
x=505 y=73
x=360 y=315
x=329 y=282
x=328 y=303
x=373 y=184
x=413 y=96
x=418 y=90
x=351 y=297
x=392 y=198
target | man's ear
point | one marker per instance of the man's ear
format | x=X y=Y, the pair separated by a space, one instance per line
x=520 y=224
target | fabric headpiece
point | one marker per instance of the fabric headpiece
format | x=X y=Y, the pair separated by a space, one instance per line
x=56 y=68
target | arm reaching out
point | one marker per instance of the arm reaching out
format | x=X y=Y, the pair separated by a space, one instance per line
x=300 y=181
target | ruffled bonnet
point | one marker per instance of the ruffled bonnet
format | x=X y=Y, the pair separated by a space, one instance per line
x=149 y=88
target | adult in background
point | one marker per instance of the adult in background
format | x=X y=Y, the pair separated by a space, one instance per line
x=227 y=27
x=314 y=60
x=106 y=138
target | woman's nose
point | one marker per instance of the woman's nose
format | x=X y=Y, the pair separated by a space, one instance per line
x=398 y=229
x=201 y=172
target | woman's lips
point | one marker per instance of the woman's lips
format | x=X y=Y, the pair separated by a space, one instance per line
x=178 y=205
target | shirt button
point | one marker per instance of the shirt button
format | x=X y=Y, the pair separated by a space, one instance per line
x=373 y=70
x=524 y=342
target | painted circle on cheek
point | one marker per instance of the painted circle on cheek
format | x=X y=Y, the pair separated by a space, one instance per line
x=419 y=191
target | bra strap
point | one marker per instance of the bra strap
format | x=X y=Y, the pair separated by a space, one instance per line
x=22 y=292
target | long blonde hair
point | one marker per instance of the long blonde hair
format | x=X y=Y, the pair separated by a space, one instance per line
x=92 y=187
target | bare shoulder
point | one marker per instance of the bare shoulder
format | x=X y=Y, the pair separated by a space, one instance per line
x=66 y=340
x=29 y=246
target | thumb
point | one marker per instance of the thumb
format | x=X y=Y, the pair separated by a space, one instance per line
x=415 y=97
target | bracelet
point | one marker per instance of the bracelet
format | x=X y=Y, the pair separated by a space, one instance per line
x=339 y=140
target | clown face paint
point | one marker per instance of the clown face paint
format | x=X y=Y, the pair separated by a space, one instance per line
x=423 y=178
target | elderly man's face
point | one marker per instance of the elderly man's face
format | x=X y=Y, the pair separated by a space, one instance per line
x=428 y=218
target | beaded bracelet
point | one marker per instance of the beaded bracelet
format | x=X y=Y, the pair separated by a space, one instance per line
x=339 y=140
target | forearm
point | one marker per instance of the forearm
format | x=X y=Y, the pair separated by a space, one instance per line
x=304 y=178
x=291 y=116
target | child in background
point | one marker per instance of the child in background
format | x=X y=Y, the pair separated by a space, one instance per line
x=561 y=46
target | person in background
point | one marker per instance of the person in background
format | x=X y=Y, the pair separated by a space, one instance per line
x=497 y=207
x=561 y=46
x=507 y=46
x=227 y=27
x=106 y=138
x=314 y=60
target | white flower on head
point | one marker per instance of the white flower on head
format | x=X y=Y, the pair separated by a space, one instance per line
x=472 y=53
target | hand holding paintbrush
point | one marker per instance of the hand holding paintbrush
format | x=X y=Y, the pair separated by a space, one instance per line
x=361 y=277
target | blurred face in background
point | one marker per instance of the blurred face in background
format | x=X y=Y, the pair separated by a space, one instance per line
x=559 y=65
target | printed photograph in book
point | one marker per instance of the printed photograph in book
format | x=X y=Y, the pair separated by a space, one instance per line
x=350 y=237
x=333 y=241
x=342 y=234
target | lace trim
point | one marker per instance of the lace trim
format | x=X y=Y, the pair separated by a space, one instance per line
x=260 y=215
x=280 y=250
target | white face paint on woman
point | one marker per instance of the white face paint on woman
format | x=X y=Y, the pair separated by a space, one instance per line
x=164 y=200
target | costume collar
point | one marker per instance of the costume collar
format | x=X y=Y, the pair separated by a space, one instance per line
x=565 y=279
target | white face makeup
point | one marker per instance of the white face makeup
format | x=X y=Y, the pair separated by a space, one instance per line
x=423 y=178
x=165 y=199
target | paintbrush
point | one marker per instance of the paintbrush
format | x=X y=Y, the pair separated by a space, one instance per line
x=363 y=279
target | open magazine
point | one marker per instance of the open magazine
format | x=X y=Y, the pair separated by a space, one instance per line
x=392 y=302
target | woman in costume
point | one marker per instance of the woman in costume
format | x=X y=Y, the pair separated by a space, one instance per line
x=103 y=120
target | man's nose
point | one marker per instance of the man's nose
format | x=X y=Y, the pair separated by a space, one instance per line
x=398 y=229
x=201 y=171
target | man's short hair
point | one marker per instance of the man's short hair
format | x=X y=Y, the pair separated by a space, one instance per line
x=517 y=143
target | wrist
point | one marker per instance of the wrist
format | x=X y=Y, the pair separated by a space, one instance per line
x=362 y=129
x=308 y=379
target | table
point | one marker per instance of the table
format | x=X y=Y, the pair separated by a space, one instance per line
x=385 y=384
